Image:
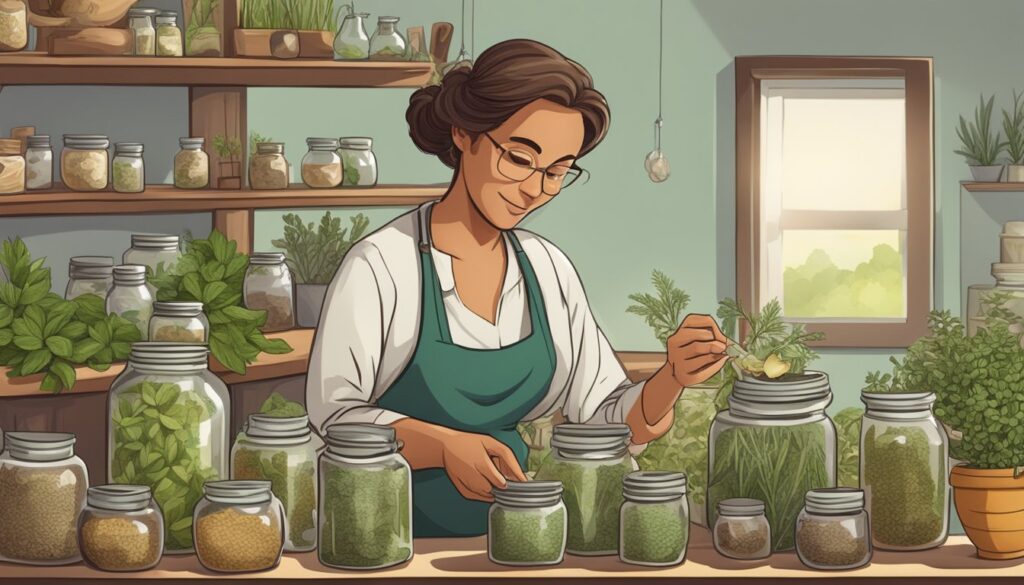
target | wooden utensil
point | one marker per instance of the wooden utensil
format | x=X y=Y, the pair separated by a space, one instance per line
x=440 y=41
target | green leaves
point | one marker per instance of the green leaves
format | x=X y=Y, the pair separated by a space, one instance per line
x=770 y=334
x=663 y=312
x=278 y=406
x=980 y=145
x=315 y=252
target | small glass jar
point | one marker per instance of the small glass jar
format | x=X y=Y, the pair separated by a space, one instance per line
x=168 y=35
x=742 y=531
x=268 y=168
x=121 y=529
x=238 y=527
x=268 y=287
x=832 y=531
x=143 y=34
x=12 y=166
x=387 y=44
x=128 y=172
x=157 y=252
x=359 y=162
x=13 y=25
x=43 y=486
x=39 y=163
x=365 y=499
x=191 y=164
x=130 y=298
x=321 y=167
x=655 y=519
x=84 y=162
x=281 y=450
x=352 y=43
x=89 y=275
x=526 y=524
x=179 y=322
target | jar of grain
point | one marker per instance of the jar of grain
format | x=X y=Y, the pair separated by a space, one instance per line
x=129 y=175
x=89 y=275
x=43 y=485
x=12 y=167
x=130 y=298
x=832 y=530
x=238 y=526
x=13 y=25
x=168 y=35
x=143 y=33
x=39 y=163
x=121 y=528
x=268 y=168
x=268 y=287
x=655 y=519
x=191 y=164
x=526 y=524
x=179 y=322
x=359 y=161
x=742 y=531
x=321 y=167
x=84 y=162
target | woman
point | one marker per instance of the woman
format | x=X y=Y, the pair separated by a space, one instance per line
x=452 y=327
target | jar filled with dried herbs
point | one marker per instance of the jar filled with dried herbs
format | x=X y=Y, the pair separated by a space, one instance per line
x=12 y=167
x=140 y=21
x=742 y=531
x=121 y=528
x=239 y=527
x=321 y=167
x=268 y=287
x=179 y=322
x=38 y=163
x=268 y=168
x=89 y=275
x=168 y=35
x=526 y=524
x=655 y=519
x=128 y=170
x=832 y=530
x=84 y=162
x=130 y=298
x=359 y=161
x=13 y=25
x=191 y=164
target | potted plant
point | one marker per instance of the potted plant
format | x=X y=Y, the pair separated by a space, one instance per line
x=229 y=150
x=1013 y=126
x=313 y=254
x=980 y=146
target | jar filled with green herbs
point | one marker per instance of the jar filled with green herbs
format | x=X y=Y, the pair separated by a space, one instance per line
x=832 y=531
x=526 y=524
x=130 y=297
x=129 y=173
x=655 y=519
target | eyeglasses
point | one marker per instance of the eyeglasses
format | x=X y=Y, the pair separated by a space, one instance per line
x=519 y=165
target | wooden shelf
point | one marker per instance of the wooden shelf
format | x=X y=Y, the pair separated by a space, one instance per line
x=32 y=68
x=991 y=187
x=167 y=198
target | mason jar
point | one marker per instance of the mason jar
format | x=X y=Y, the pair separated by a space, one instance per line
x=281 y=450
x=526 y=524
x=365 y=499
x=12 y=166
x=168 y=35
x=84 y=162
x=121 y=528
x=179 y=322
x=129 y=174
x=832 y=531
x=157 y=252
x=39 y=163
x=238 y=527
x=140 y=21
x=42 y=492
x=655 y=519
x=130 y=298
x=268 y=287
x=359 y=162
x=591 y=461
x=13 y=25
x=352 y=43
x=321 y=167
x=191 y=164
x=168 y=420
x=387 y=44
x=89 y=275
x=742 y=531
x=268 y=168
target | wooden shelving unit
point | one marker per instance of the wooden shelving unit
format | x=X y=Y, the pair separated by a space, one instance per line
x=975 y=187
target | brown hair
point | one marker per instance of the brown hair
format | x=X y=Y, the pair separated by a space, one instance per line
x=505 y=78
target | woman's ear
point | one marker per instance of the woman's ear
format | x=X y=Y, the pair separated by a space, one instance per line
x=461 y=139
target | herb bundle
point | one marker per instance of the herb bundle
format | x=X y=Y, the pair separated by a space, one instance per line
x=664 y=312
x=770 y=339
x=314 y=252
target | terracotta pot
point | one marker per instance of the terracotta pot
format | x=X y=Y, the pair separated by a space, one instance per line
x=990 y=504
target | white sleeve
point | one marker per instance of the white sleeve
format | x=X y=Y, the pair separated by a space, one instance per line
x=345 y=359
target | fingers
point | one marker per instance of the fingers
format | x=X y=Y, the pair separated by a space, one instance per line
x=489 y=471
x=710 y=370
x=514 y=473
x=470 y=492
x=695 y=364
x=508 y=460
x=698 y=321
x=697 y=348
x=685 y=336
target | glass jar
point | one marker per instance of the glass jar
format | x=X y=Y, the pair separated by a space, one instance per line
x=904 y=454
x=121 y=528
x=832 y=530
x=168 y=35
x=39 y=163
x=1010 y=284
x=655 y=519
x=43 y=485
x=12 y=166
x=13 y=25
x=321 y=167
x=239 y=527
x=526 y=524
x=89 y=275
x=191 y=164
x=268 y=287
x=130 y=297
x=143 y=34
x=591 y=461
x=742 y=531
x=157 y=252
x=179 y=322
x=365 y=499
x=352 y=43
x=387 y=44
x=268 y=168
x=84 y=162
x=129 y=173
x=359 y=161
x=168 y=420
x=773 y=431
x=281 y=450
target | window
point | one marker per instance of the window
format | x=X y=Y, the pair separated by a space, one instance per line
x=834 y=191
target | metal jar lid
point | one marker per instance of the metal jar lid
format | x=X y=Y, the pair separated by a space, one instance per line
x=576 y=439
x=270 y=148
x=192 y=143
x=834 y=501
x=654 y=486
x=323 y=143
x=29 y=446
x=129 y=148
x=38 y=141
x=355 y=143
x=136 y=12
x=238 y=491
x=278 y=430
x=177 y=309
x=360 y=441
x=86 y=267
x=156 y=241
x=266 y=258
x=167 y=17
x=741 y=507
x=87 y=141
x=898 y=402
x=156 y=354
x=387 y=19
x=529 y=494
x=124 y=498
x=129 y=274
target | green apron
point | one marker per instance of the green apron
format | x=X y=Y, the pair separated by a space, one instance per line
x=474 y=390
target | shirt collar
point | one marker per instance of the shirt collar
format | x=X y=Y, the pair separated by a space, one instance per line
x=446 y=276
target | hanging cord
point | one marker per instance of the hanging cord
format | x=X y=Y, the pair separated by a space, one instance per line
x=472 y=31
x=661 y=69
x=462 y=43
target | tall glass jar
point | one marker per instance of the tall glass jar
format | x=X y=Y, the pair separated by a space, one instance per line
x=43 y=486
x=89 y=275
x=179 y=322
x=359 y=161
x=168 y=35
x=281 y=450
x=352 y=43
x=157 y=252
x=191 y=164
x=12 y=167
x=655 y=519
x=129 y=173
x=1009 y=284
x=84 y=162
x=130 y=297
x=742 y=531
x=39 y=163
x=238 y=527
x=140 y=20
x=904 y=454
x=832 y=531
x=365 y=499
x=268 y=287
x=387 y=44
x=321 y=167
x=526 y=524
x=121 y=528
x=13 y=25
x=591 y=461
x=773 y=444
x=168 y=421
x=268 y=168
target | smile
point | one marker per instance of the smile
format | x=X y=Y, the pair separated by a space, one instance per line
x=513 y=208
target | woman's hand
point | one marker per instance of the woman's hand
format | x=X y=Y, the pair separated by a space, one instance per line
x=696 y=351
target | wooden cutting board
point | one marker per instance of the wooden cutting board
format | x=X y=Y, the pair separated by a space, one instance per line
x=86 y=41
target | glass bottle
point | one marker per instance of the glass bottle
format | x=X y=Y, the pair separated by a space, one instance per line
x=352 y=43
x=238 y=527
x=832 y=531
x=143 y=34
x=526 y=524
x=84 y=162
x=268 y=287
x=39 y=163
x=157 y=252
x=13 y=25
x=179 y=322
x=191 y=164
x=1009 y=283
x=168 y=35
x=121 y=528
x=129 y=173
x=359 y=162
x=268 y=168
x=12 y=167
x=387 y=44
x=89 y=275
x=742 y=531
x=130 y=298
x=655 y=519
x=321 y=167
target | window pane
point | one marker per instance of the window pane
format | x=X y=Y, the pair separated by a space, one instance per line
x=843 y=274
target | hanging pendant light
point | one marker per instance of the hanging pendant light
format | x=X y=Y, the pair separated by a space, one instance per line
x=463 y=57
x=656 y=164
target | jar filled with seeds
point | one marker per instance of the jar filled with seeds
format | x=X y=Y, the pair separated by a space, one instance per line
x=268 y=168
x=168 y=35
x=359 y=162
x=268 y=287
x=239 y=527
x=140 y=20
x=832 y=530
x=43 y=486
x=130 y=298
x=84 y=162
x=191 y=164
x=742 y=531
x=89 y=275
x=655 y=519
x=12 y=167
x=179 y=322
x=526 y=524
x=591 y=461
x=129 y=174
x=281 y=451
x=365 y=499
x=121 y=528
x=38 y=163
x=321 y=167
x=13 y=25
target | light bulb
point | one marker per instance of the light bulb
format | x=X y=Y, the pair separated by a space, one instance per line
x=657 y=166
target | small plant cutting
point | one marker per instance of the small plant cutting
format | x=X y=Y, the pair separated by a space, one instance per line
x=313 y=251
x=229 y=150
x=772 y=348
x=981 y=144
x=1013 y=127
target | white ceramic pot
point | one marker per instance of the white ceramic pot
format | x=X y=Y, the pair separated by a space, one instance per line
x=987 y=173
x=309 y=302
x=1015 y=173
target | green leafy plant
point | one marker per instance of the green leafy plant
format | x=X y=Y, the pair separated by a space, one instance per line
x=278 y=406
x=980 y=145
x=226 y=148
x=1013 y=126
x=212 y=272
x=847 y=423
x=289 y=14
x=770 y=335
x=315 y=252
x=664 y=312
x=256 y=138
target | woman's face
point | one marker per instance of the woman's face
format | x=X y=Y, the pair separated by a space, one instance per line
x=497 y=165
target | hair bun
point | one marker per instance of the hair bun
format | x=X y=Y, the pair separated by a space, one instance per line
x=431 y=113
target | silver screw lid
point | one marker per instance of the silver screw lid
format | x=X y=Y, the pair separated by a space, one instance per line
x=126 y=498
x=31 y=446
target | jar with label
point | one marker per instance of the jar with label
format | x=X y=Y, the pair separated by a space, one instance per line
x=321 y=167
x=832 y=530
x=39 y=163
x=130 y=298
x=526 y=524
x=268 y=287
x=365 y=499
x=655 y=519
x=12 y=167
x=89 y=275
x=268 y=168
x=43 y=484
x=13 y=25
x=191 y=164
x=281 y=450
x=171 y=381
x=168 y=35
x=359 y=161
x=239 y=527
x=157 y=252
x=84 y=162
x=387 y=44
x=121 y=528
x=143 y=34
x=590 y=460
x=128 y=170
x=179 y=322
x=742 y=531
x=352 y=43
